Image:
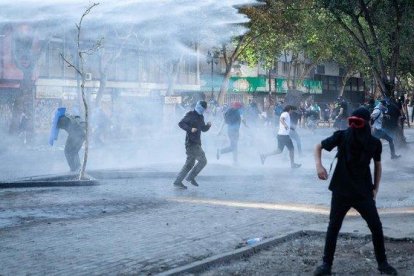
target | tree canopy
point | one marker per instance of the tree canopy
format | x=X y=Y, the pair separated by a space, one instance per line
x=373 y=37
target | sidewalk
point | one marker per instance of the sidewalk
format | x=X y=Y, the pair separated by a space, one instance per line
x=135 y=222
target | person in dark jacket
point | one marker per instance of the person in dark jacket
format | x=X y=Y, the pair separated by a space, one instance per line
x=193 y=123
x=352 y=185
x=233 y=119
x=342 y=114
x=75 y=128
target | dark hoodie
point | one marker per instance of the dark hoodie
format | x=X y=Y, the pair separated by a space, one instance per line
x=356 y=147
x=193 y=120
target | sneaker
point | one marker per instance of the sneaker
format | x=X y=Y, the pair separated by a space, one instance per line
x=395 y=156
x=295 y=166
x=386 y=268
x=180 y=185
x=262 y=158
x=218 y=154
x=323 y=269
x=193 y=182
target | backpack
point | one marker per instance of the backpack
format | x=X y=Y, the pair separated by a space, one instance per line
x=232 y=116
x=278 y=110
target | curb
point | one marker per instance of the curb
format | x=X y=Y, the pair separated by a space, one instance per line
x=38 y=184
x=64 y=180
x=199 y=266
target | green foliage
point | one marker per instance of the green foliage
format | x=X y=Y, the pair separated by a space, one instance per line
x=370 y=37
x=382 y=30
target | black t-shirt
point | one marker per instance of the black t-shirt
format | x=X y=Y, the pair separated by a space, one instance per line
x=344 y=106
x=232 y=117
x=294 y=118
x=352 y=179
x=391 y=122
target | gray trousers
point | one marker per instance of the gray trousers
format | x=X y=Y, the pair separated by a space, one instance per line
x=381 y=134
x=194 y=152
x=72 y=147
x=234 y=140
x=295 y=136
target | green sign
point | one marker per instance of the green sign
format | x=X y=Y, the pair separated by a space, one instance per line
x=306 y=86
x=247 y=84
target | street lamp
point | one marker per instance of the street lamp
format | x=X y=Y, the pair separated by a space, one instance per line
x=212 y=58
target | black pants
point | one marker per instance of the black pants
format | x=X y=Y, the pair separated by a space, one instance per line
x=380 y=134
x=72 y=147
x=194 y=152
x=366 y=207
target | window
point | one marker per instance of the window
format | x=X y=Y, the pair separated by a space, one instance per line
x=285 y=67
x=308 y=69
x=320 y=69
x=325 y=83
x=361 y=85
x=43 y=64
x=131 y=67
x=55 y=60
x=333 y=84
x=297 y=70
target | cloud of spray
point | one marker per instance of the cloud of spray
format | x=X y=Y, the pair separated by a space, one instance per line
x=167 y=28
x=170 y=20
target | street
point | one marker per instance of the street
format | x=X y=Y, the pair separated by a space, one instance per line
x=135 y=222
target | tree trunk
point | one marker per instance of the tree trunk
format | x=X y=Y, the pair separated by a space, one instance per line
x=343 y=84
x=225 y=84
x=85 y=155
x=175 y=71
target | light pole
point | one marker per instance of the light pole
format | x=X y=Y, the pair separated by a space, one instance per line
x=212 y=58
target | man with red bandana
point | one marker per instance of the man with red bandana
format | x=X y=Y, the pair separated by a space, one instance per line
x=233 y=119
x=352 y=185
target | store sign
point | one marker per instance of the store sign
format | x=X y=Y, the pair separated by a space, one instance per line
x=305 y=86
x=50 y=92
x=173 y=100
x=134 y=93
x=247 y=84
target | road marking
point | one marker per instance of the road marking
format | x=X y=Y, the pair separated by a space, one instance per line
x=304 y=208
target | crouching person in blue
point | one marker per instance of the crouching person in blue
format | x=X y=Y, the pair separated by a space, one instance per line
x=193 y=123
x=76 y=136
x=352 y=185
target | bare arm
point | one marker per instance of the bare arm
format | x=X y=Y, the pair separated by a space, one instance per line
x=320 y=170
x=377 y=177
x=282 y=120
x=221 y=127
x=341 y=111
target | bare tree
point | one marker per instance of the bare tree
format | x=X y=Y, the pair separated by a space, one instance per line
x=81 y=72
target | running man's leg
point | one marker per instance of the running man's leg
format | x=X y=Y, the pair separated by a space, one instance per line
x=200 y=156
x=279 y=150
x=189 y=164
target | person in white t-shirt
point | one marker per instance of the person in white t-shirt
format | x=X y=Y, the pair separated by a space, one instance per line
x=283 y=138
